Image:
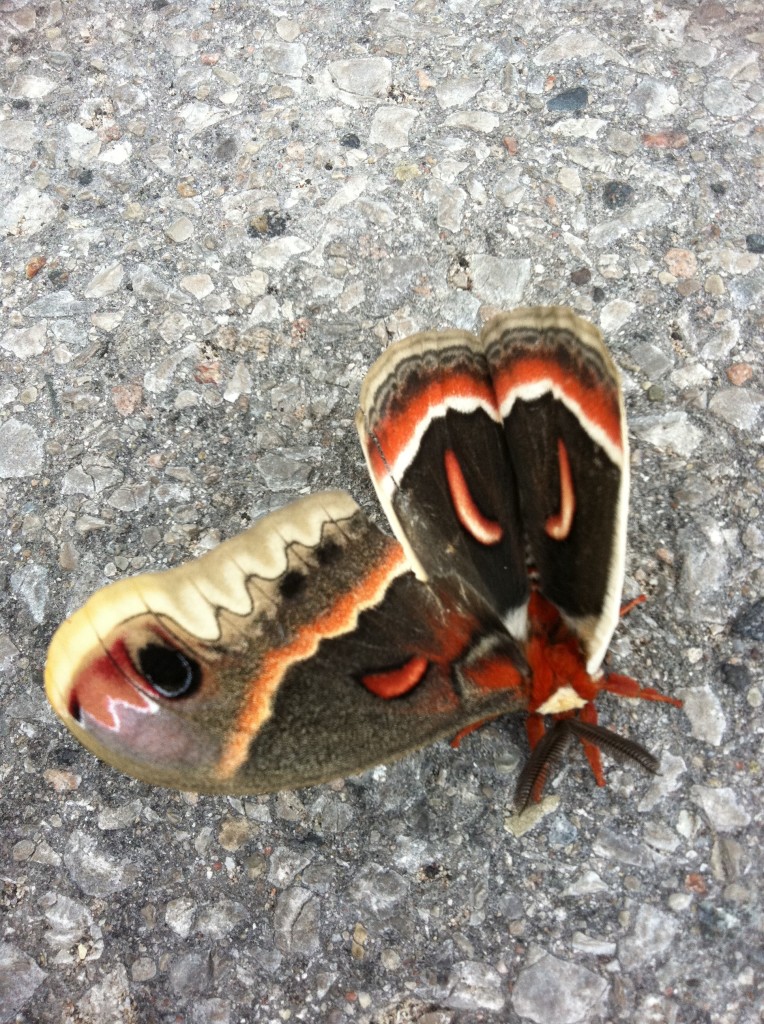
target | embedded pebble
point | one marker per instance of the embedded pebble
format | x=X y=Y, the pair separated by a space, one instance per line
x=554 y=991
x=703 y=573
x=69 y=921
x=179 y=915
x=668 y=432
x=723 y=99
x=198 y=285
x=667 y=781
x=390 y=127
x=20 y=449
x=654 y=98
x=105 y=282
x=749 y=623
x=108 y=1001
x=739 y=408
x=30 y=583
x=570 y=99
x=587 y=884
x=365 y=77
x=19 y=977
x=707 y=720
x=27 y=213
x=650 y=937
x=453 y=92
x=722 y=807
x=296 y=921
x=285 y=58
x=25 y=342
x=217 y=921
x=499 y=281
x=95 y=872
x=615 y=314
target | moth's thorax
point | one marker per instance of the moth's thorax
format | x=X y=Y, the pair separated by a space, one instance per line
x=559 y=679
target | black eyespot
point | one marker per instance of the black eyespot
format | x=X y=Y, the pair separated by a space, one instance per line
x=291 y=584
x=328 y=551
x=169 y=671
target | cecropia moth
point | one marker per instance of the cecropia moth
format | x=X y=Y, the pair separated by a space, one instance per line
x=313 y=645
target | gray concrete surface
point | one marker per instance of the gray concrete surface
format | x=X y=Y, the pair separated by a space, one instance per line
x=214 y=216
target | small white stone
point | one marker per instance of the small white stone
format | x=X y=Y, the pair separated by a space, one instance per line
x=570 y=180
x=288 y=30
x=105 y=282
x=722 y=807
x=615 y=314
x=34 y=87
x=499 y=281
x=473 y=120
x=723 y=99
x=390 y=126
x=198 y=285
x=454 y=92
x=578 y=127
x=180 y=230
x=348 y=193
x=18 y=136
x=276 y=254
x=670 y=432
x=740 y=407
x=363 y=76
x=119 y=153
x=27 y=212
x=587 y=884
x=285 y=58
x=27 y=342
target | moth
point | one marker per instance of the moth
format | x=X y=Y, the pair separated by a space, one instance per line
x=314 y=645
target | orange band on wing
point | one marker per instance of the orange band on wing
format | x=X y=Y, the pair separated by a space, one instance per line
x=558 y=526
x=394 y=432
x=339 y=619
x=598 y=403
x=485 y=531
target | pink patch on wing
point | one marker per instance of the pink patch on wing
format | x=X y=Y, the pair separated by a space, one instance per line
x=104 y=688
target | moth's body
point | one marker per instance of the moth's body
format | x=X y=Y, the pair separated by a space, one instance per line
x=314 y=646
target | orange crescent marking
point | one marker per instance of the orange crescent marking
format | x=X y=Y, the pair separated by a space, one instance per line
x=558 y=526
x=397 y=681
x=338 y=619
x=485 y=531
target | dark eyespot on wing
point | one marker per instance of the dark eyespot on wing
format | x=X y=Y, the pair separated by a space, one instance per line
x=169 y=671
x=328 y=551
x=291 y=584
x=74 y=709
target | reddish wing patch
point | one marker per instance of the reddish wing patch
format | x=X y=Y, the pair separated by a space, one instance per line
x=106 y=687
x=558 y=526
x=397 y=681
x=599 y=403
x=485 y=531
x=395 y=431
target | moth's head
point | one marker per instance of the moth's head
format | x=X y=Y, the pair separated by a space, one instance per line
x=138 y=691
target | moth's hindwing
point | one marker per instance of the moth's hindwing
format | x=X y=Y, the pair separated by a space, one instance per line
x=434 y=444
x=487 y=452
x=559 y=395
x=300 y=651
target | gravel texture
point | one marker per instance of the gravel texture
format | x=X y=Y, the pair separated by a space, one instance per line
x=214 y=217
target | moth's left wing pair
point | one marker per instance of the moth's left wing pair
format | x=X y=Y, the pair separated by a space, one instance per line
x=302 y=650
